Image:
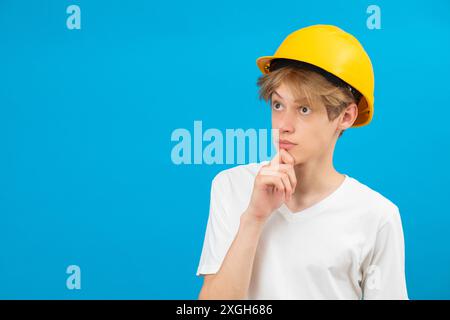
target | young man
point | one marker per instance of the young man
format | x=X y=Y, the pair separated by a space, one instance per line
x=294 y=227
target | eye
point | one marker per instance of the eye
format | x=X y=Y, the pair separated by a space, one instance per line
x=305 y=110
x=277 y=106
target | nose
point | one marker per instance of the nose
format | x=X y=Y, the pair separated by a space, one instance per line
x=286 y=123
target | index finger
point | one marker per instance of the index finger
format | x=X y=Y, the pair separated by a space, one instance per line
x=276 y=160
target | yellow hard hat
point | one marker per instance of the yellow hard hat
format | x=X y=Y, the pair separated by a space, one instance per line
x=335 y=51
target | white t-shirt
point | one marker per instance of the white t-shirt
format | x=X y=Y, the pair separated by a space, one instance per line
x=349 y=245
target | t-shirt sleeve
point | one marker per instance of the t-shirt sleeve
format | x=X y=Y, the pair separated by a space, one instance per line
x=220 y=229
x=384 y=275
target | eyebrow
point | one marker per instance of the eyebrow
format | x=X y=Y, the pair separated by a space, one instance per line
x=296 y=101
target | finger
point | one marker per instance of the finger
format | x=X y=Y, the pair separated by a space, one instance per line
x=270 y=172
x=272 y=180
x=287 y=186
x=284 y=178
x=275 y=162
x=267 y=165
x=289 y=170
x=286 y=157
x=284 y=168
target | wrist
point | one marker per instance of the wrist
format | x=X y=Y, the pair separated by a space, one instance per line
x=252 y=217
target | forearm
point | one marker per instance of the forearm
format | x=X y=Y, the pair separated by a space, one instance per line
x=233 y=279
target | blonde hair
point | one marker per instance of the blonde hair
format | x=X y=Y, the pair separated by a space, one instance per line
x=308 y=83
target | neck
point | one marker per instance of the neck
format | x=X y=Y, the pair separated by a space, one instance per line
x=315 y=179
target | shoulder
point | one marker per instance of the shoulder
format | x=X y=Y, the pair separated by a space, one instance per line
x=238 y=175
x=236 y=183
x=377 y=204
x=232 y=188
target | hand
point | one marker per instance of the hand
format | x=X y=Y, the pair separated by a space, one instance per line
x=274 y=184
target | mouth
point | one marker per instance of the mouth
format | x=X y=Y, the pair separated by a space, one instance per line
x=286 y=144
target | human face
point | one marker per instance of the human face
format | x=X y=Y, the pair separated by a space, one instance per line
x=310 y=133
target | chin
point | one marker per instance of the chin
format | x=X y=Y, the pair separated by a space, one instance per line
x=299 y=158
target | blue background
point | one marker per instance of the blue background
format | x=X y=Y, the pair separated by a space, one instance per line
x=86 y=117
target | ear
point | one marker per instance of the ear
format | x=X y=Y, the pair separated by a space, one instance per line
x=348 y=116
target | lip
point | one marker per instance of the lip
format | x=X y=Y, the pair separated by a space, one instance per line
x=285 y=144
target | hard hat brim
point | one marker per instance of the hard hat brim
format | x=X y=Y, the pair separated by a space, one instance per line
x=263 y=62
